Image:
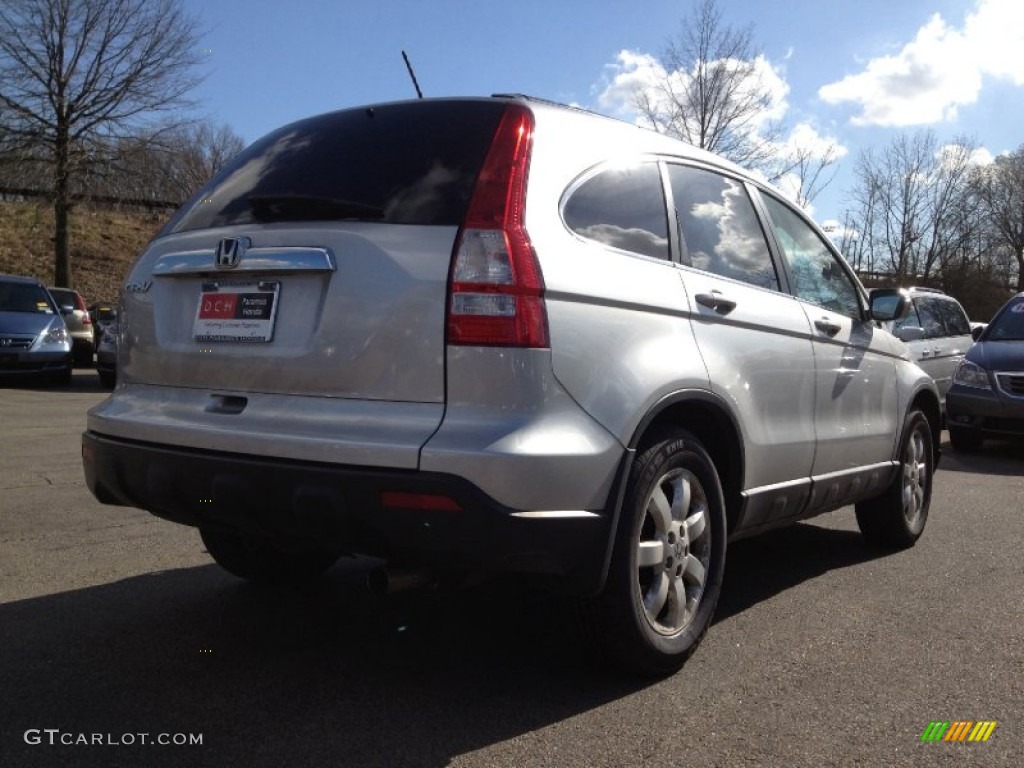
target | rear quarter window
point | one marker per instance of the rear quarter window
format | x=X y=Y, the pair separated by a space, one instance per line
x=622 y=207
x=403 y=163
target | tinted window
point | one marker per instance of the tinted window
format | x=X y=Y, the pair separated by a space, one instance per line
x=954 y=318
x=623 y=208
x=817 y=274
x=411 y=163
x=719 y=230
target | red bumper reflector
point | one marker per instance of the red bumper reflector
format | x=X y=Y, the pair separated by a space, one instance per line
x=428 y=501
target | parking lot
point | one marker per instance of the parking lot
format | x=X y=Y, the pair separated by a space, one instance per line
x=823 y=652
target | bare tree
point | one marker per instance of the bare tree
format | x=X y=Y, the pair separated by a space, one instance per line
x=78 y=74
x=915 y=211
x=166 y=164
x=713 y=94
x=1000 y=191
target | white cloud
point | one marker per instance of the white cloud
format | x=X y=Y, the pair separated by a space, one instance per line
x=633 y=72
x=938 y=72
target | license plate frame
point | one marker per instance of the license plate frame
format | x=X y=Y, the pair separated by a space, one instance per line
x=237 y=311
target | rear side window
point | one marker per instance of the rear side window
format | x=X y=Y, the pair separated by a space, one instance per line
x=406 y=163
x=622 y=207
x=719 y=230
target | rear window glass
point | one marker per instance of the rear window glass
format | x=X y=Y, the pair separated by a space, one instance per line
x=407 y=163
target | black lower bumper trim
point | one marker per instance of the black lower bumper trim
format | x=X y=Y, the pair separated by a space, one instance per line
x=339 y=507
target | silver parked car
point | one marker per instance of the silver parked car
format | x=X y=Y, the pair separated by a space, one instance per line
x=937 y=333
x=503 y=334
x=79 y=323
x=34 y=341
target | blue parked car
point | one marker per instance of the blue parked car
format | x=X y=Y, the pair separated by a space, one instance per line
x=34 y=341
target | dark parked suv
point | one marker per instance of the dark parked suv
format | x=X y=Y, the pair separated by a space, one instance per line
x=503 y=334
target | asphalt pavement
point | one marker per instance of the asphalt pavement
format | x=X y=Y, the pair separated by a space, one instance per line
x=118 y=633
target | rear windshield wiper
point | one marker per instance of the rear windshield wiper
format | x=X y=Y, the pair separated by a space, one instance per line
x=310 y=208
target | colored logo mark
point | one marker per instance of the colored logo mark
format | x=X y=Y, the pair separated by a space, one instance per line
x=959 y=730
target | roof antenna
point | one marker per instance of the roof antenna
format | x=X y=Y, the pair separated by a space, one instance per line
x=412 y=74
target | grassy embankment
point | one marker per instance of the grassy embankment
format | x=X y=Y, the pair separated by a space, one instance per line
x=103 y=245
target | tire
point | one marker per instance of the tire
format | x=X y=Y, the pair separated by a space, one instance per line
x=262 y=562
x=667 y=562
x=896 y=518
x=108 y=379
x=965 y=440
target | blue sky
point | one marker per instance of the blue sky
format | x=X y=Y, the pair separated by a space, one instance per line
x=850 y=72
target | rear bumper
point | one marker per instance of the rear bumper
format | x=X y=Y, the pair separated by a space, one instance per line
x=342 y=506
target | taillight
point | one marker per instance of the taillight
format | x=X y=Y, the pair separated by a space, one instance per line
x=496 y=287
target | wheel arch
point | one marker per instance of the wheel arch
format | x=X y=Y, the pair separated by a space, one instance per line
x=927 y=401
x=708 y=418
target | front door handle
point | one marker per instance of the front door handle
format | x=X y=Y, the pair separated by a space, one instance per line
x=826 y=326
x=716 y=301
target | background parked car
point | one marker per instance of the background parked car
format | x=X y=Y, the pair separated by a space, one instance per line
x=102 y=315
x=937 y=332
x=34 y=341
x=987 y=396
x=79 y=324
x=106 y=355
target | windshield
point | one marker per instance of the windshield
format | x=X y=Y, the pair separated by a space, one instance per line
x=1008 y=325
x=25 y=297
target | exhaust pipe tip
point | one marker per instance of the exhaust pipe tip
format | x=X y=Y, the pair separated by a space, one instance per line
x=388 y=581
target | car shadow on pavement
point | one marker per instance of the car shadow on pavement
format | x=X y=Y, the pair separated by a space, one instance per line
x=330 y=675
x=995 y=457
x=758 y=568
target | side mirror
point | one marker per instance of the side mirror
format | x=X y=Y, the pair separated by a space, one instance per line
x=977 y=331
x=888 y=304
x=67 y=309
x=910 y=333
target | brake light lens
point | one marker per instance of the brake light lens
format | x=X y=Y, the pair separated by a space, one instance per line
x=496 y=287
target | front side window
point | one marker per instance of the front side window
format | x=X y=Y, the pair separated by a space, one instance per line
x=931 y=318
x=953 y=316
x=818 y=276
x=719 y=230
x=622 y=207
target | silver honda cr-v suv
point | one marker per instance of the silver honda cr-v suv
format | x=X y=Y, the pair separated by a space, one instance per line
x=504 y=334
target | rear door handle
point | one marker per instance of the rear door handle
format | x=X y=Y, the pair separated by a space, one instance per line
x=826 y=326
x=716 y=301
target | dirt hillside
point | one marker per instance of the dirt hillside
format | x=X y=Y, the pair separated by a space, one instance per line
x=103 y=244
